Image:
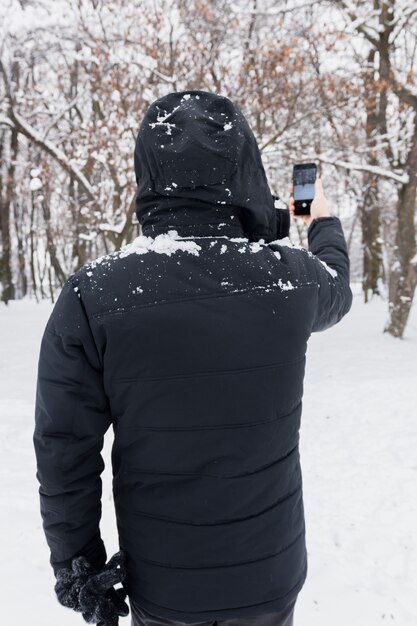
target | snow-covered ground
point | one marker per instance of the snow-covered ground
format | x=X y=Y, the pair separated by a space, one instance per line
x=359 y=460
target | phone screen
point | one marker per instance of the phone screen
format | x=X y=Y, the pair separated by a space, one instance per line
x=304 y=192
x=304 y=177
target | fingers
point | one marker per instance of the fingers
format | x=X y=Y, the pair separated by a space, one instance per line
x=101 y=582
x=117 y=559
x=291 y=201
x=117 y=596
x=291 y=206
x=103 y=611
x=96 y=586
x=82 y=568
x=318 y=188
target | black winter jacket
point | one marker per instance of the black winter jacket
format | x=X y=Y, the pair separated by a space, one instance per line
x=191 y=343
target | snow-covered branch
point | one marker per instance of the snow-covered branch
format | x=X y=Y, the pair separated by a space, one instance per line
x=59 y=116
x=361 y=25
x=59 y=155
x=364 y=167
x=273 y=11
x=23 y=127
x=112 y=228
x=5 y=121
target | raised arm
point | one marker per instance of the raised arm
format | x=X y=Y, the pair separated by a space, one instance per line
x=327 y=243
x=330 y=261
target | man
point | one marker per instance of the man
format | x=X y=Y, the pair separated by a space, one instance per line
x=191 y=342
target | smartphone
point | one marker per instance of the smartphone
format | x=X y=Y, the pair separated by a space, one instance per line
x=303 y=178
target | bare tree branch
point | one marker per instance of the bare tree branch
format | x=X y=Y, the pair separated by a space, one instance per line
x=363 y=167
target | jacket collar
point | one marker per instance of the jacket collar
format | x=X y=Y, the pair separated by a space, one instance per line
x=192 y=219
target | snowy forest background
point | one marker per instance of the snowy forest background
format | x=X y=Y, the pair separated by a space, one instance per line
x=329 y=81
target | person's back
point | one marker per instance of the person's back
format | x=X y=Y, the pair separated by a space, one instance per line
x=194 y=341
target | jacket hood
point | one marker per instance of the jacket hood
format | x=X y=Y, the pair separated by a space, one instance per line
x=197 y=164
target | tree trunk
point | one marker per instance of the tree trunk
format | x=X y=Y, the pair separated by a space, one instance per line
x=59 y=272
x=371 y=241
x=19 y=221
x=370 y=214
x=403 y=272
x=33 y=250
x=8 y=292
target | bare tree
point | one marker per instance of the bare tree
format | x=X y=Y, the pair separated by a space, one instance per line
x=331 y=82
x=389 y=27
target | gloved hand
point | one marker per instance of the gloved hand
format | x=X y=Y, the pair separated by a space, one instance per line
x=91 y=592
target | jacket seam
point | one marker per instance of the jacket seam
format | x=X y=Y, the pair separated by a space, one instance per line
x=202 y=475
x=120 y=310
x=222 y=565
x=245 y=606
x=218 y=426
x=208 y=373
x=172 y=520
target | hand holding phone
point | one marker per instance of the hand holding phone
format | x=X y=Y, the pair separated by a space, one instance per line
x=318 y=208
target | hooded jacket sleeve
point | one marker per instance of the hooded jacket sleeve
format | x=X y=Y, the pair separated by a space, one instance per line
x=326 y=242
x=282 y=219
x=71 y=418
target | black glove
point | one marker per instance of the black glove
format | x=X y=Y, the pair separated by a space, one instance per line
x=91 y=592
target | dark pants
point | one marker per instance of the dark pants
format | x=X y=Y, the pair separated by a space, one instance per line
x=140 y=617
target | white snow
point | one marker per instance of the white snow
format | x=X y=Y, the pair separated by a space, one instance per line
x=35 y=184
x=166 y=124
x=112 y=227
x=165 y=243
x=88 y=236
x=285 y=286
x=256 y=246
x=331 y=270
x=286 y=241
x=358 y=453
